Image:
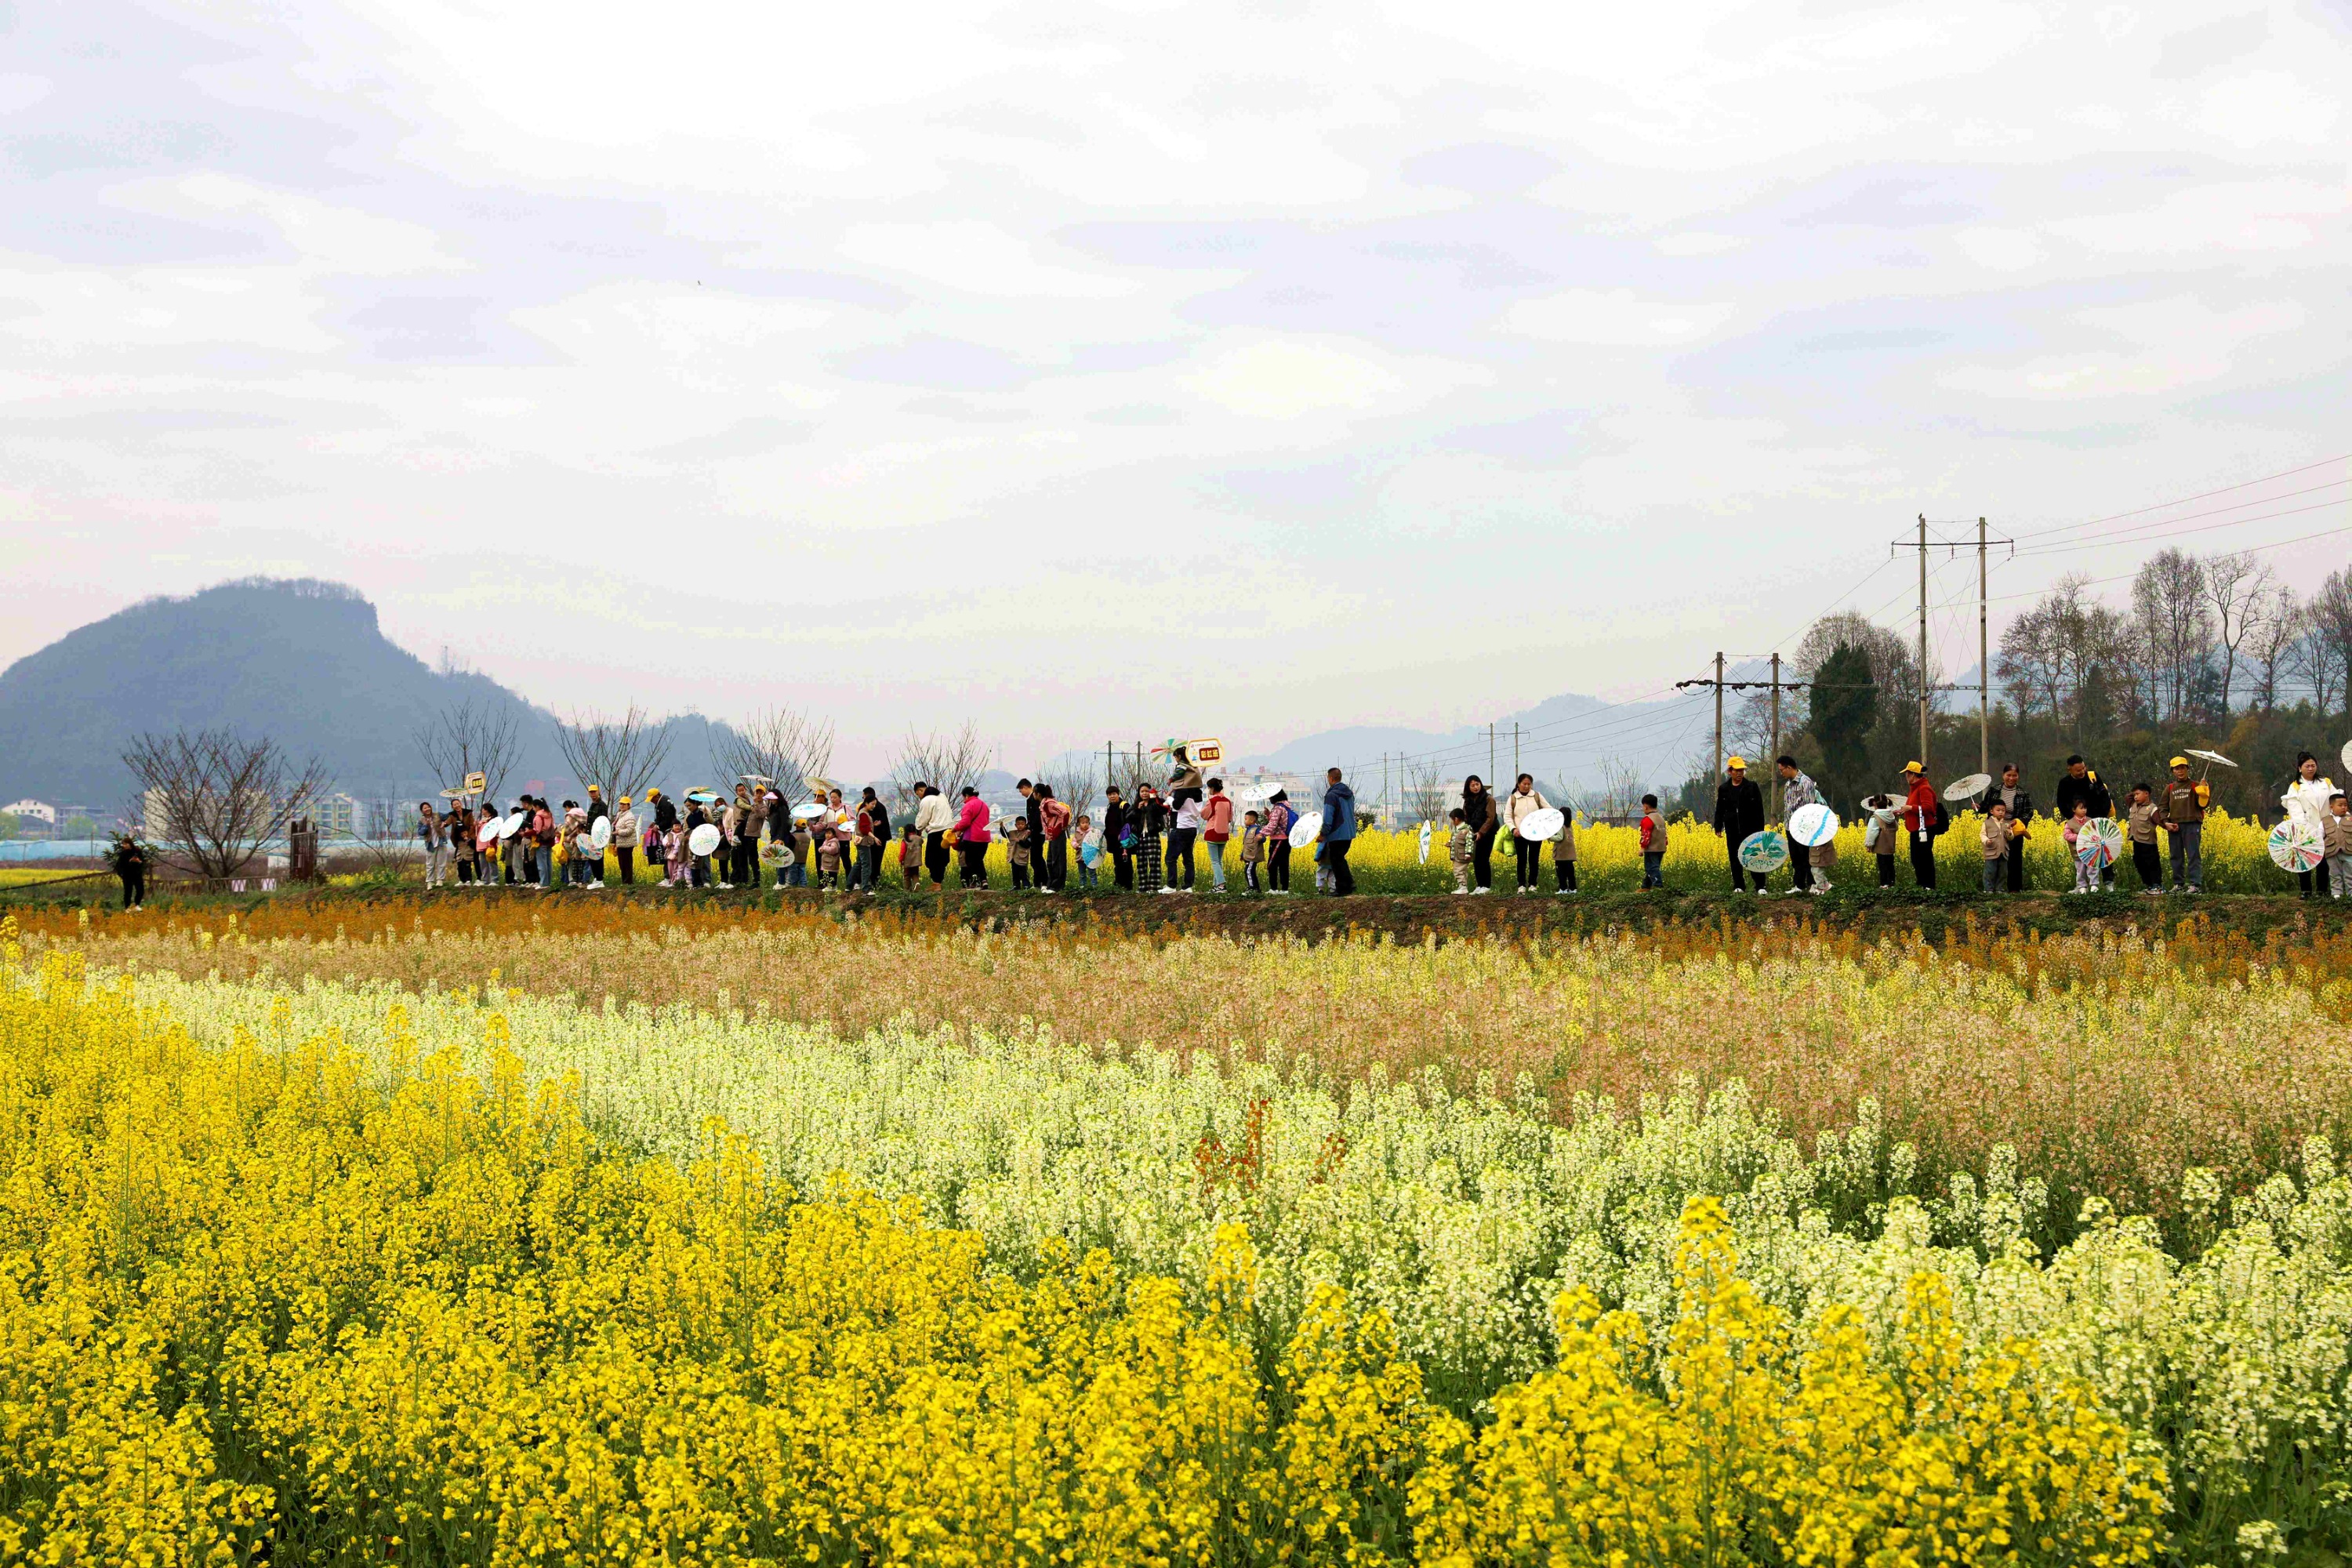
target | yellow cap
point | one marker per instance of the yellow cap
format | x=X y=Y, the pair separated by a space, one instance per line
x=1737 y=762
x=1914 y=768
x=2178 y=762
x=624 y=800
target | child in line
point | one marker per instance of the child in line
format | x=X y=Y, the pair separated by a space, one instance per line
x=1253 y=850
x=1654 y=843
x=1090 y=852
x=828 y=862
x=2086 y=871
x=674 y=856
x=1997 y=847
x=1457 y=849
x=1822 y=857
x=1881 y=834
x=803 y=846
x=911 y=859
x=2140 y=827
x=1563 y=853
x=2337 y=837
x=1017 y=851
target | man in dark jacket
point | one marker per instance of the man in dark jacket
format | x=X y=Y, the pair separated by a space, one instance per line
x=2012 y=791
x=2081 y=784
x=1738 y=811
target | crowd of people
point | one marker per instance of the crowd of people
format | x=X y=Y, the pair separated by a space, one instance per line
x=1153 y=843
x=2170 y=813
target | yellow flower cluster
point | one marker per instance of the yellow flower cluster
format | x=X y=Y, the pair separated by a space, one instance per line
x=1926 y=1453
x=291 y=1300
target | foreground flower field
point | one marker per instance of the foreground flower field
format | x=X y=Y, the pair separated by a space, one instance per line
x=304 y=1258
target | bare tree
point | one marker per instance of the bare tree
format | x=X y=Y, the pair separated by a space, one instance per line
x=619 y=756
x=778 y=744
x=2327 y=654
x=1620 y=792
x=213 y=802
x=1425 y=796
x=2279 y=622
x=2173 y=621
x=2237 y=588
x=473 y=737
x=946 y=763
x=1894 y=664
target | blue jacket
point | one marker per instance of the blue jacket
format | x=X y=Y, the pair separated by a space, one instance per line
x=1339 y=812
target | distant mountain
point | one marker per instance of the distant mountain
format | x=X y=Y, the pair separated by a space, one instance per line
x=303 y=661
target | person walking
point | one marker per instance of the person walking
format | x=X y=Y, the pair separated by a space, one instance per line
x=1339 y=832
x=1181 y=833
x=1478 y=815
x=1053 y=816
x=972 y=837
x=2306 y=800
x=1654 y=844
x=1279 y=820
x=1738 y=813
x=1120 y=833
x=1217 y=831
x=2181 y=812
x=435 y=840
x=933 y=822
x=1796 y=790
x=625 y=842
x=2011 y=792
x=1150 y=817
x=464 y=853
x=2337 y=844
x=1524 y=800
x=129 y=859
x=1563 y=852
x=872 y=837
x=1880 y=833
x=1996 y=844
x=1920 y=819
x=2081 y=784
x=2140 y=829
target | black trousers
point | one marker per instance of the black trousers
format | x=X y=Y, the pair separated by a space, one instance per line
x=1885 y=870
x=2016 y=859
x=935 y=858
x=975 y=864
x=1530 y=858
x=1740 y=875
x=1122 y=869
x=1482 y=858
x=134 y=888
x=1278 y=866
x=1335 y=856
x=1564 y=873
x=1180 y=856
x=1801 y=866
x=2149 y=863
x=1923 y=861
x=1057 y=862
x=629 y=858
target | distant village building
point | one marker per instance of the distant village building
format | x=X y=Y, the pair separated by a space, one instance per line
x=29 y=811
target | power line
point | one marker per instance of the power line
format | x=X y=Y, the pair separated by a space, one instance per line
x=2126 y=576
x=2182 y=500
x=2201 y=528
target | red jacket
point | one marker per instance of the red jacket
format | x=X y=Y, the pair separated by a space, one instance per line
x=1653 y=835
x=1919 y=806
x=972 y=822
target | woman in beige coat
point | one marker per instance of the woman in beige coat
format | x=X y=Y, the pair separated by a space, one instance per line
x=1524 y=800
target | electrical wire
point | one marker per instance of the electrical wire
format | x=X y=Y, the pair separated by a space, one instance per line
x=2202 y=528
x=2183 y=500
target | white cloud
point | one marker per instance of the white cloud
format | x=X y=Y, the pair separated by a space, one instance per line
x=2268 y=106
x=977 y=258
x=1280 y=380
x=1615 y=318
x=2170 y=344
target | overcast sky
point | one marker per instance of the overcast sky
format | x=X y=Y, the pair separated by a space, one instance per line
x=1143 y=369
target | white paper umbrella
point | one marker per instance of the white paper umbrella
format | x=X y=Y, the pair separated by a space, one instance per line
x=1812 y=825
x=756 y=778
x=2346 y=754
x=1426 y=830
x=1539 y=825
x=2100 y=843
x=511 y=825
x=2293 y=846
x=1968 y=788
x=807 y=811
x=600 y=833
x=1764 y=853
x=1303 y=831
x=488 y=834
x=703 y=839
x=775 y=852
x=2216 y=758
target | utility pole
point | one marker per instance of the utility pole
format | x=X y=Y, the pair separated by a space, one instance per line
x=1923 y=639
x=1777 y=785
x=1490 y=759
x=1984 y=662
x=1515 y=753
x=1108 y=766
x=1719 y=716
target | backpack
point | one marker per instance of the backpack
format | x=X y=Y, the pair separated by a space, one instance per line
x=1943 y=821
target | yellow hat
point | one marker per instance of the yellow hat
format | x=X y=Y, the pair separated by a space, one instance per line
x=2178 y=762
x=1914 y=767
x=624 y=800
x=1737 y=762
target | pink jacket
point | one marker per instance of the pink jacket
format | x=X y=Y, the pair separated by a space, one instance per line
x=972 y=822
x=1217 y=818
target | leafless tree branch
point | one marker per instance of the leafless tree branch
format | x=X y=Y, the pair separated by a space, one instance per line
x=212 y=801
x=619 y=756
